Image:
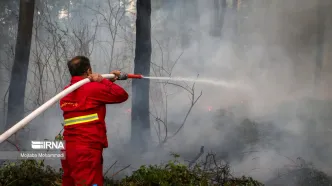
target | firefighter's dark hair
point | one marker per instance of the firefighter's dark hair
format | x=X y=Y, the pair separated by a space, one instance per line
x=78 y=65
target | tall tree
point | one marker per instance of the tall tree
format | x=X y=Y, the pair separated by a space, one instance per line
x=320 y=40
x=8 y=17
x=219 y=11
x=140 y=116
x=21 y=62
x=188 y=21
x=235 y=18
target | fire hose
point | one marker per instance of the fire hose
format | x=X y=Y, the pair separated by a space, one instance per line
x=56 y=98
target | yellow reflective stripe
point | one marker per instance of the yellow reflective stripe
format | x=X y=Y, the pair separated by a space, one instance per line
x=81 y=119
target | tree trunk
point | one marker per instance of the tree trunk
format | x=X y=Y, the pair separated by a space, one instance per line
x=320 y=42
x=21 y=62
x=183 y=18
x=219 y=11
x=235 y=19
x=140 y=117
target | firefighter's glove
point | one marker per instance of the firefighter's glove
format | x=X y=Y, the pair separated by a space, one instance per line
x=95 y=77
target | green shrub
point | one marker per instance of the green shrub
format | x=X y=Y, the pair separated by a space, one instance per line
x=175 y=173
x=35 y=173
x=28 y=173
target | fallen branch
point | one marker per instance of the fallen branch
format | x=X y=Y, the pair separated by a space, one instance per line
x=198 y=156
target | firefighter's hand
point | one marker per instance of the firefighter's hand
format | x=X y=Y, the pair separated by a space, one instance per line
x=95 y=77
x=117 y=73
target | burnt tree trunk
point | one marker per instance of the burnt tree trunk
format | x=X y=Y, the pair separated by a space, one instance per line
x=140 y=116
x=21 y=62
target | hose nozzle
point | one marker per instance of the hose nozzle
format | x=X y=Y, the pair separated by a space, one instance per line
x=125 y=76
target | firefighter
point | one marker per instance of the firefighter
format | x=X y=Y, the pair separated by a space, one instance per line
x=84 y=123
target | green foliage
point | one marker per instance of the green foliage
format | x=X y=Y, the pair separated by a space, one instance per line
x=29 y=173
x=35 y=173
x=169 y=174
x=176 y=173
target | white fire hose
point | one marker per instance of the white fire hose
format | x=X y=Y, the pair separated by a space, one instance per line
x=45 y=106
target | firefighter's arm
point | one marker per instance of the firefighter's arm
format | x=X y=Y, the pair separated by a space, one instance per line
x=109 y=92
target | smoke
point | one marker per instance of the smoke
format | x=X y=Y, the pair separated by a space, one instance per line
x=270 y=46
x=274 y=51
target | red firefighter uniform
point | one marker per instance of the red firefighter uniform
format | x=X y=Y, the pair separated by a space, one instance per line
x=85 y=130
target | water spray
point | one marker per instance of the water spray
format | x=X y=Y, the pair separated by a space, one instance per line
x=55 y=99
x=227 y=84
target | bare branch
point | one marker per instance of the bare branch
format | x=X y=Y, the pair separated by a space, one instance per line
x=120 y=170
x=185 y=118
x=110 y=168
x=198 y=156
